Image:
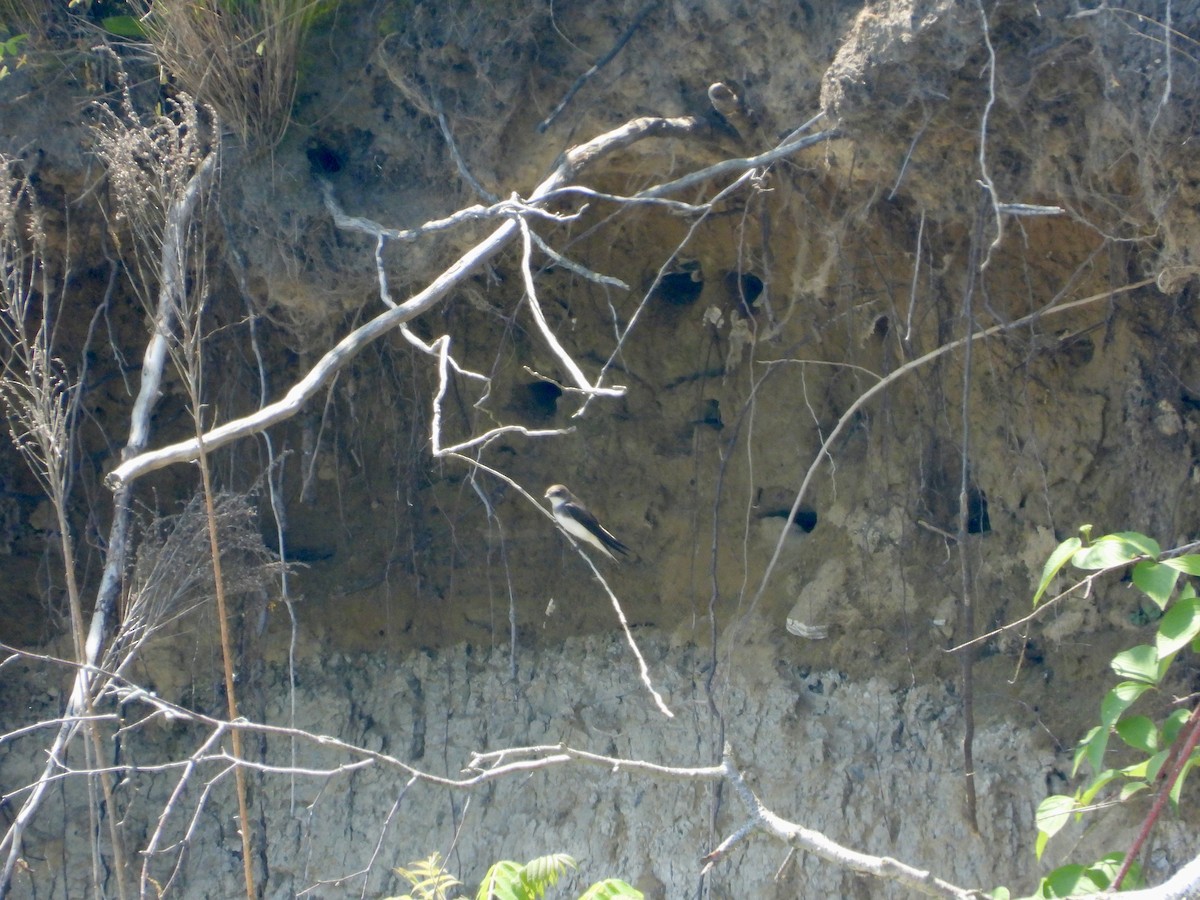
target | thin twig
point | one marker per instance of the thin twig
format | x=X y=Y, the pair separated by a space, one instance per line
x=966 y=604
x=738 y=165
x=900 y=373
x=985 y=178
x=597 y=66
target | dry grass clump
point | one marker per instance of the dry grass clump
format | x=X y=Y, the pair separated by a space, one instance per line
x=173 y=576
x=239 y=56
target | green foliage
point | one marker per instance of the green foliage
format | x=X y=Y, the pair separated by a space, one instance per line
x=508 y=880
x=124 y=27
x=10 y=46
x=611 y=889
x=428 y=879
x=1141 y=671
x=1077 y=880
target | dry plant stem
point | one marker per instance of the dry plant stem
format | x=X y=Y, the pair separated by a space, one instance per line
x=912 y=296
x=387 y=821
x=895 y=376
x=153 y=361
x=42 y=405
x=966 y=627
x=440 y=348
x=984 y=178
x=800 y=838
x=227 y=658
x=569 y=165
x=476 y=213
x=966 y=607
x=242 y=56
x=643 y=669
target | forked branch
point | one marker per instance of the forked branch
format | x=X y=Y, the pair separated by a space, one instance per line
x=569 y=165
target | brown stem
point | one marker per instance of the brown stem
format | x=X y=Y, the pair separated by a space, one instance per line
x=1185 y=743
x=227 y=658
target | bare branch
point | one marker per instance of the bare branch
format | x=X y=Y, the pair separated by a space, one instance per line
x=502 y=209
x=551 y=339
x=739 y=165
x=570 y=164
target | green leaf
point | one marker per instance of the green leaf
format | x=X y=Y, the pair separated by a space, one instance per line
x=123 y=26
x=1146 y=546
x=1155 y=763
x=1133 y=787
x=1067 y=881
x=1189 y=563
x=1059 y=558
x=1178 y=627
x=1088 y=794
x=428 y=878
x=1172 y=725
x=1139 y=733
x=610 y=889
x=1136 y=770
x=1091 y=748
x=1147 y=768
x=543 y=873
x=1052 y=815
x=1177 y=787
x=1141 y=663
x=1156 y=581
x=12 y=46
x=1119 y=699
x=1111 y=551
x=1105 y=869
x=503 y=882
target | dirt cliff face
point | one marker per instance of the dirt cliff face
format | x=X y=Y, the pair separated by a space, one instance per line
x=990 y=164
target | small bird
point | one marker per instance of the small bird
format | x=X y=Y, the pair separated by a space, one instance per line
x=577 y=520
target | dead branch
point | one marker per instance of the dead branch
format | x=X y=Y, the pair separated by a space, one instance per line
x=486 y=767
x=489 y=766
x=739 y=165
x=548 y=335
x=570 y=164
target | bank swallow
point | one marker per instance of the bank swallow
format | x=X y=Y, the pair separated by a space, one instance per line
x=577 y=520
